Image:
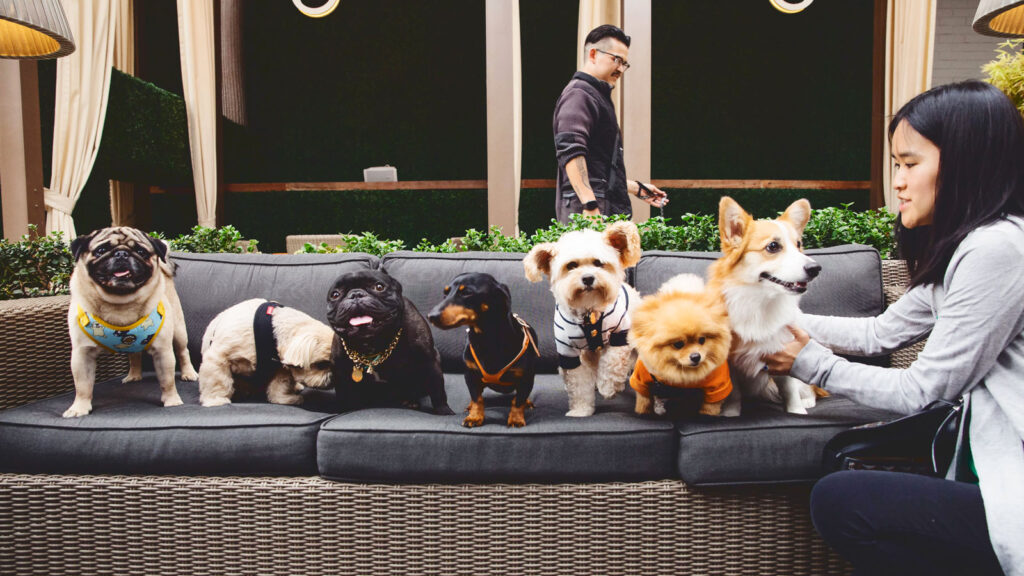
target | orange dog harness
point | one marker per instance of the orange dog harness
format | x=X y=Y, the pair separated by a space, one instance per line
x=717 y=385
x=488 y=378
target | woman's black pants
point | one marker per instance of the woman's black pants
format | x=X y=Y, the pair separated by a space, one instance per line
x=893 y=523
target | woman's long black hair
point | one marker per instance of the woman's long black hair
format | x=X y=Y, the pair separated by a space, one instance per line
x=980 y=136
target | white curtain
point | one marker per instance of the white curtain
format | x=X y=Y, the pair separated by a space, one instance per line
x=199 y=82
x=83 y=84
x=909 y=46
x=122 y=201
x=594 y=13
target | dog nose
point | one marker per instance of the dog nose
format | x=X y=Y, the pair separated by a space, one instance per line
x=695 y=358
x=587 y=280
x=812 y=269
x=120 y=253
x=356 y=293
x=434 y=316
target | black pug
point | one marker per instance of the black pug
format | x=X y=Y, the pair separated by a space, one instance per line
x=501 y=348
x=384 y=352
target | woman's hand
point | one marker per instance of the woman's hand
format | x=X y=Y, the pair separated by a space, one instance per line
x=781 y=362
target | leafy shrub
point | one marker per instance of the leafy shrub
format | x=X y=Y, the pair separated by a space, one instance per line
x=834 y=226
x=366 y=242
x=1006 y=72
x=830 y=226
x=212 y=240
x=34 y=266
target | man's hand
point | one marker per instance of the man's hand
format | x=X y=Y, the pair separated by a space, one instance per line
x=781 y=362
x=650 y=193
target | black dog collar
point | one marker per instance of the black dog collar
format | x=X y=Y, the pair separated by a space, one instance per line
x=267 y=360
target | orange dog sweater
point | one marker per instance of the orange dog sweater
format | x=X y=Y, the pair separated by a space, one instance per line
x=716 y=386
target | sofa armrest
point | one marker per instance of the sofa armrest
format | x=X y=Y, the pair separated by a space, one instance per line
x=895 y=279
x=35 y=351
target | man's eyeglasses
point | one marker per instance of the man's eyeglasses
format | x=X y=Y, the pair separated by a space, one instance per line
x=618 y=59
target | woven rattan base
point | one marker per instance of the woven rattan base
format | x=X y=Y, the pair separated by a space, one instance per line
x=220 y=526
x=34 y=334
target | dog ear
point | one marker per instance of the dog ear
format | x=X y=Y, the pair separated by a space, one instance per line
x=159 y=246
x=81 y=244
x=798 y=214
x=507 y=293
x=625 y=238
x=538 y=262
x=300 y=350
x=732 y=223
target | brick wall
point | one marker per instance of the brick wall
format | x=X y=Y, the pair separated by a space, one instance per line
x=959 y=50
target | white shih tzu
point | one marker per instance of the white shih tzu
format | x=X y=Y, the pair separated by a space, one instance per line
x=263 y=342
x=592 y=318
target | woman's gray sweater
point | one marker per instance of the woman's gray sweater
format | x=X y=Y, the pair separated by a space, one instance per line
x=974 y=322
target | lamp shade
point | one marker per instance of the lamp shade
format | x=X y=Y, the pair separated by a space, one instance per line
x=1004 y=18
x=34 y=29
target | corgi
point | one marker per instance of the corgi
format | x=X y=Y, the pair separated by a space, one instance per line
x=761 y=274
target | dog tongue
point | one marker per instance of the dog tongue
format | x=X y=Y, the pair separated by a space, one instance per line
x=360 y=320
x=122 y=273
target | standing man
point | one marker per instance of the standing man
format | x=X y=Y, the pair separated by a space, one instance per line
x=588 y=142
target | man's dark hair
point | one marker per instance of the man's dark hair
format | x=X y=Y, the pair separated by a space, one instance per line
x=606 y=31
x=980 y=136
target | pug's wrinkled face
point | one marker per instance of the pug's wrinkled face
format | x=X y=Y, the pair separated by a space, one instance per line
x=119 y=260
x=365 y=305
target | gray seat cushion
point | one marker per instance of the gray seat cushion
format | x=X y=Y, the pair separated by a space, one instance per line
x=130 y=432
x=404 y=445
x=210 y=283
x=424 y=276
x=765 y=444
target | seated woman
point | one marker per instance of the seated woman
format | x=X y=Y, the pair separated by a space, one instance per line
x=959 y=176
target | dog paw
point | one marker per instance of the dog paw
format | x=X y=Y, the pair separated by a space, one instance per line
x=711 y=409
x=211 y=402
x=78 y=409
x=516 y=421
x=730 y=411
x=809 y=402
x=443 y=411
x=580 y=412
x=796 y=409
x=131 y=378
x=287 y=399
x=471 y=422
x=659 y=407
x=188 y=374
x=172 y=400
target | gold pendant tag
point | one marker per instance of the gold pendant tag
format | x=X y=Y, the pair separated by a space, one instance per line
x=357 y=374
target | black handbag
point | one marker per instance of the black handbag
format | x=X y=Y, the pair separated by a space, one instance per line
x=921 y=443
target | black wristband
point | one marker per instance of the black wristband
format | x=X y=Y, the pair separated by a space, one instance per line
x=592 y=205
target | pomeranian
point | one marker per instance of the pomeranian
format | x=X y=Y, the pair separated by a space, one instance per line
x=682 y=337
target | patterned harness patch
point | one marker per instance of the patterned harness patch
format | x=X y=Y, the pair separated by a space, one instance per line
x=123 y=339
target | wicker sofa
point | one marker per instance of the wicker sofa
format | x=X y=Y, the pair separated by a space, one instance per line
x=255 y=488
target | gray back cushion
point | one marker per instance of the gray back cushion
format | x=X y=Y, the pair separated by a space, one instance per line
x=850 y=283
x=210 y=283
x=424 y=276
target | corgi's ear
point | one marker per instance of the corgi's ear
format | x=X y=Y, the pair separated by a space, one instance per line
x=733 y=221
x=798 y=214
x=538 y=262
x=625 y=238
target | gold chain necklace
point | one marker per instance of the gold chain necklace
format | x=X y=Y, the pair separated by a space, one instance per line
x=366 y=362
